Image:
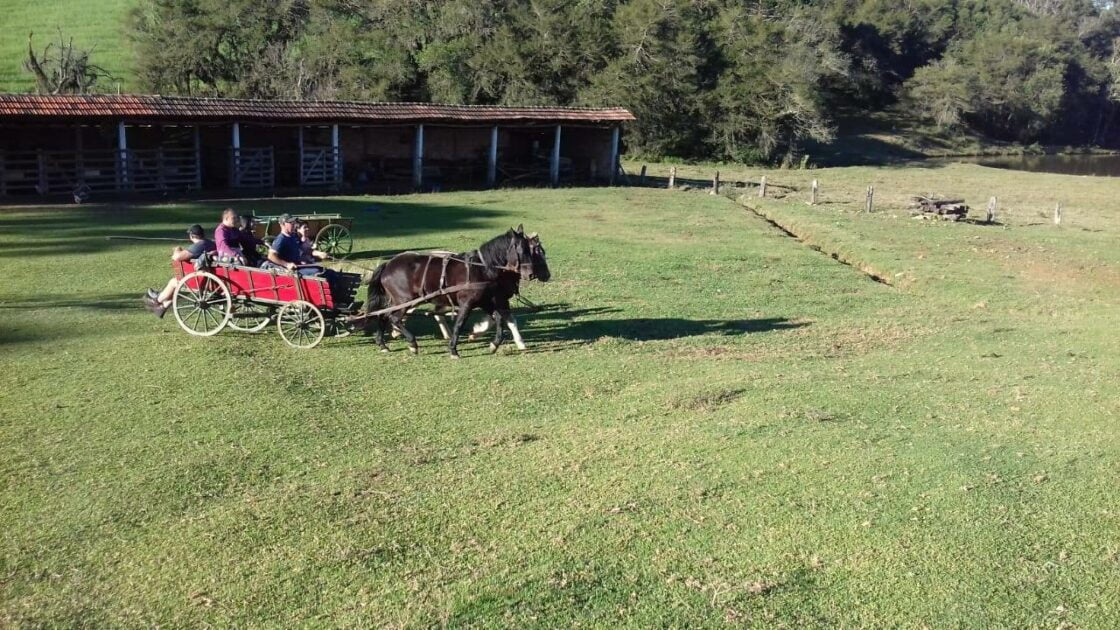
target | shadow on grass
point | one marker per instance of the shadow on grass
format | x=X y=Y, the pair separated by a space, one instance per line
x=110 y=302
x=558 y=323
x=82 y=230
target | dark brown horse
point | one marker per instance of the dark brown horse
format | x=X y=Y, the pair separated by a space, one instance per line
x=487 y=278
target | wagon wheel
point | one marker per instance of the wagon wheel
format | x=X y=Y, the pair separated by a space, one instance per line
x=335 y=240
x=250 y=317
x=301 y=324
x=202 y=304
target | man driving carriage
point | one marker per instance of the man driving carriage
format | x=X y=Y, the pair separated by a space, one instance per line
x=158 y=303
x=290 y=252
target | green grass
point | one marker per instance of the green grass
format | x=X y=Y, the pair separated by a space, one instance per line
x=714 y=425
x=94 y=24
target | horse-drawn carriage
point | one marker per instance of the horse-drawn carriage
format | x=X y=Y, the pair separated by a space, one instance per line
x=211 y=296
x=331 y=232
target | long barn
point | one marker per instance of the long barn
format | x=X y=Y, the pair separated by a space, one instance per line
x=109 y=145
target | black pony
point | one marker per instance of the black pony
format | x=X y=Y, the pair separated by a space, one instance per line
x=487 y=278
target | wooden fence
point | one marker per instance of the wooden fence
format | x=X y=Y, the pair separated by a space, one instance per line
x=63 y=172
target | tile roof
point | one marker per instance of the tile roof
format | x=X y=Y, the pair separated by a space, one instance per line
x=152 y=108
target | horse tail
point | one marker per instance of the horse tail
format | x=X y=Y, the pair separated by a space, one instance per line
x=375 y=297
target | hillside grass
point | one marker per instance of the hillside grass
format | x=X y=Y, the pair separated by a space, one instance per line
x=98 y=25
x=715 y=424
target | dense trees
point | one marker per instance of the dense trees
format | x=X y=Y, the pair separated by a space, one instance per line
x=749 y=80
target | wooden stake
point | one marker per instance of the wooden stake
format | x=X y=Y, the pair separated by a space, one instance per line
x=870 y=198
x=991 y=214
x=762 y=187
x=813 y=198
x=673 y=177
x=1058 y=214
x=642 y=176
x=715 y=184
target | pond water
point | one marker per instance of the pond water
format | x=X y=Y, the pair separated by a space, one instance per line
x=1099 y=165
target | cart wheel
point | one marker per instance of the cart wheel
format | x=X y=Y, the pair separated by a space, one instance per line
x=202 y=304
x=250 y=317
x=301 y=324
x=335 y=240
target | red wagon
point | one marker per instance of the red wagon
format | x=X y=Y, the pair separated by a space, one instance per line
x=211 y=296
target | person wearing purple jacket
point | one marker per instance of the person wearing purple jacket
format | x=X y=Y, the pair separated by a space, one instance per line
x=227 y=238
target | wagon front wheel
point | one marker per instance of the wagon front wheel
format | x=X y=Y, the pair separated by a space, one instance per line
x=301 y=324
x=335 y=240
x=202 y=304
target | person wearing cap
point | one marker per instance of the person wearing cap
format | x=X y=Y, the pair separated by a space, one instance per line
x=286 y=251
x=158 y=303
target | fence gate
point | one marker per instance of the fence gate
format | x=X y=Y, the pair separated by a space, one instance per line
x=252 y=168
x=319 y=167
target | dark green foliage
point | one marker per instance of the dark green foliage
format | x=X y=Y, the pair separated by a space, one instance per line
x=721 y=79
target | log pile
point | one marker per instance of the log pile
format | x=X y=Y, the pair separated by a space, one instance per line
x=932 y=207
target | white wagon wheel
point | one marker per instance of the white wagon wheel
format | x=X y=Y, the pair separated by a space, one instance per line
x=301 y=324
x=202 y=304
x=250 y=316
x=335 y=240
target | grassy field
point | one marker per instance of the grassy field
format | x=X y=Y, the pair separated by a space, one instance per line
x=715 y=424
x=94 y=24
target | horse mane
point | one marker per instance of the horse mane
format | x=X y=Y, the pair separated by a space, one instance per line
x=495 y=251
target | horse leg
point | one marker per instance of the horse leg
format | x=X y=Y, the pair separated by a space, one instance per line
x=398 y=323
x=497 y=315
x=460 y=317
x=511 y=321
x=381 y=333
x=482 y=326
x=442 y=325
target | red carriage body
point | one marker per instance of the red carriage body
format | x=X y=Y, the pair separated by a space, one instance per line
x=266 y=286
x=305 y=308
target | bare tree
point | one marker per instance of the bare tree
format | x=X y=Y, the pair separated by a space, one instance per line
x=62 y=68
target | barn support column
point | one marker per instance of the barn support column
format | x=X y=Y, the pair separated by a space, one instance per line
x=492 y=159
x=299 y=140
x=337 y=151
x=122 y=152
x=554 y=163
x=418 y=159
x=235 y=156
x=197 y=133
x=614 y=153
x=79 y=158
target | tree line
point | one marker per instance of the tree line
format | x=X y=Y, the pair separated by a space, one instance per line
x=739 y=80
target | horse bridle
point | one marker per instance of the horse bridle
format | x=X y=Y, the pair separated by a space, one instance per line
x=525 y=269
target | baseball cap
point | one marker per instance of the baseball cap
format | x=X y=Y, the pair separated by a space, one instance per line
x=195 y=231
x=286 y=218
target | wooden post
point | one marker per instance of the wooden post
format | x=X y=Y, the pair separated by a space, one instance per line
x=3 y=177
x=43 y=187
x=299 y=143
x=1058 y=214
x=492 y=159
x=418 y=158
x=197 y=158
x=79 y=159
x=336 y=149
x=762 y=187
x=813 y=195
x=235 y=179
x=554 y=162
x=991 y=214
x=715 y=184
x=594 y=170
x=642 y=176
x=870 y=198
x=673 y=177
x=614 y=153
x=122 y=149
x=160 y=168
